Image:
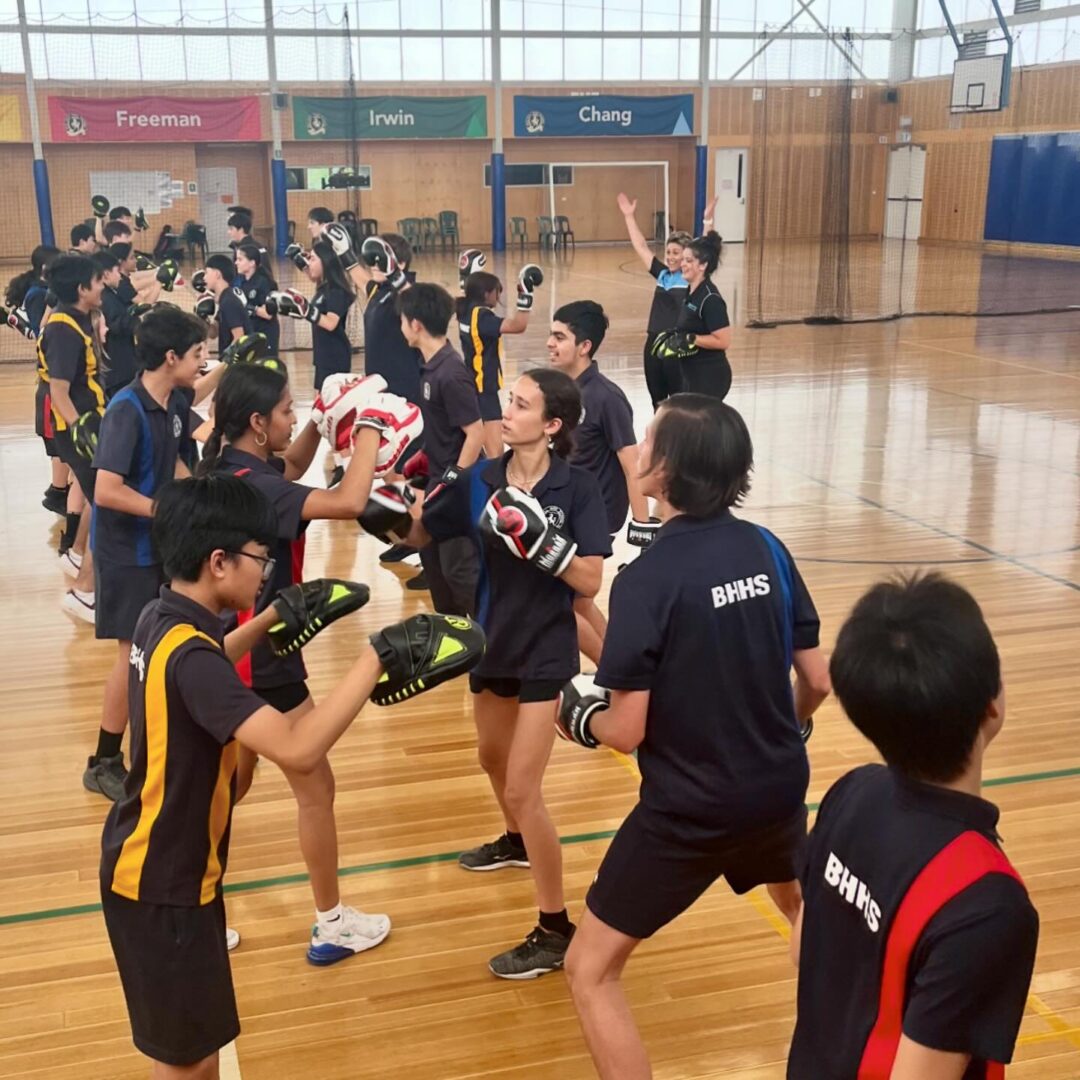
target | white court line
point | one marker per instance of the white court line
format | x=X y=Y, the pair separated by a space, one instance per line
x=992 y=359
x=229 y=1063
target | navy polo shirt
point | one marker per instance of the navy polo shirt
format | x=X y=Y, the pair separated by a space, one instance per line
x=707 y=619
x=882 y=843
x=386 y=352
x=231 y=313
x=120 y=341
x=254 y=291
x=141 y=442
x=704 y=312
x=261 y=669
x=527 y=615
x=448 y=404
x=331 y=349
x=126 y=291
x=607 y=426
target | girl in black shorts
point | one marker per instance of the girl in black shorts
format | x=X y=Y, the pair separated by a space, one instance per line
x=481 y=333
x=252 y=438
x=526 y=608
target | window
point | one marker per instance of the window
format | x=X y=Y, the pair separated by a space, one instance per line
x=166 y=56
x=728 y=55
x=622 y=15
x=421 y=59
x=296 y=58
x=421 y=14
x=380 y=59
x=116 y=56
x=328 y=178
x=208 y=58
x=465 y=15
x=660 y=60
x=589 y=14
x=533 y=175
x=622 y=60
x=464 y=60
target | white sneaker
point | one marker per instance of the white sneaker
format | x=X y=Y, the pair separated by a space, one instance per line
x=354 y=932
x=232 y=938
x=71 y=563
x=79 y=605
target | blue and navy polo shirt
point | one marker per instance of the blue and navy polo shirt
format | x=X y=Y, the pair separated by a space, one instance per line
x=231 y=314
x=914 y=923
x=141 y=442
x=527 y=615
x=707 y=619
x=607 y=426
x=671 y=290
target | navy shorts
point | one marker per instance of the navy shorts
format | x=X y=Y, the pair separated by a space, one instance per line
x=174 y=967
x=284 y=698
x=651 y=875
x=491 y=406
x=120 y=594
x=525 y=690
x=84 y=472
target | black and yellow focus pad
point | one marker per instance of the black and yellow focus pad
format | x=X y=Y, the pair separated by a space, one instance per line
x=424 y=651
x=310 y=607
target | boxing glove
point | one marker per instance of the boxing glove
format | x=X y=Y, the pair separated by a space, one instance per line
x=287 y=302
x=296 y=253
x=529 y=279
x=379 y=255
x=517 y=520
x=387 y=511
x=470 y=262
x=338 y=237
x=573 y=719
x=206 y=308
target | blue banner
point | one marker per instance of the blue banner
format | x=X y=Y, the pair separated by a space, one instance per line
x=603 y=114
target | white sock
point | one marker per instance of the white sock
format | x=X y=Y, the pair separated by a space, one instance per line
x=339 y=462
x=85 y=597
x=75 y=557
x=329 y=916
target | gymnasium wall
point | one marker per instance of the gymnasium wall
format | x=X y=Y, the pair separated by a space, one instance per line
x=959 y=146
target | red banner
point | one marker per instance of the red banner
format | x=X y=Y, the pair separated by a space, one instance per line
x=154 y=119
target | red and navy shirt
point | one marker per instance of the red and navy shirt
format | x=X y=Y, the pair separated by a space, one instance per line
x=915 y=923
x=261 y=669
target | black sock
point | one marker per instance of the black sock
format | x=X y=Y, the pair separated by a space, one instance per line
x=515 y=838
x=556 y=922
x=108 y=744
x=71 y=527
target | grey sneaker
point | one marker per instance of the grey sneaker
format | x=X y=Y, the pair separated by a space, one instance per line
x=494 y=856
x=541 y=952
x=106 y=777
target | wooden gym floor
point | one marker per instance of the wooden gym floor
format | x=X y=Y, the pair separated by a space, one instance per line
x=951 y=444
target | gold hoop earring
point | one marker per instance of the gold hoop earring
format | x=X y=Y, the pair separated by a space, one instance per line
x=265 y=438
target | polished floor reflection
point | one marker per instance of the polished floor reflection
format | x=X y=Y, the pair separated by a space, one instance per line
x=949 y=444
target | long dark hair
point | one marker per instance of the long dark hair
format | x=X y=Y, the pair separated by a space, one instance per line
x=40 y=258
x=252 y=252
x=333 y=272
x=562 y=401
x=706 y=249
x=244 y=390
x=477 y=287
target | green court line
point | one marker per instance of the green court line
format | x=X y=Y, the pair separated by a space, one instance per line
x=446 y=856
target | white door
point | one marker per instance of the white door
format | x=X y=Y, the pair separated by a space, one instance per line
x=729 y=186
x=217 y=192
x=904 y=192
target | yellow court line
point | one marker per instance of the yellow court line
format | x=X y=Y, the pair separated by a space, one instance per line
x=1061 y=1028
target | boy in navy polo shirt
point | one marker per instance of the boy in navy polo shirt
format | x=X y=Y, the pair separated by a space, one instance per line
x=705 y=628
x=604 y=443
x=453 y=435
x=144 y=443
x=231 y=316
x=916 y=941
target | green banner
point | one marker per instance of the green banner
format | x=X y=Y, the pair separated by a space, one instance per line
x=390 y=118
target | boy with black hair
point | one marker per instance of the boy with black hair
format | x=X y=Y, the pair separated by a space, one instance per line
x=166 y=842
x=118 y=215
x=318 y=216
x=121 y=316
x=604 y=442
x=453 y=436
x=116 y=232
x=239 y=227
x=69 y=360
x=228 y=310
x=82 y=240
x=145 y=441
x=916 y=940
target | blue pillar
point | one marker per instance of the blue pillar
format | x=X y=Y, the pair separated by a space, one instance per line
x=281 y=204
x=498 y=202
x=44 y=201
x=701 y=179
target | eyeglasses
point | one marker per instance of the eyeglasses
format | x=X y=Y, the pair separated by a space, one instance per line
x=267 y=562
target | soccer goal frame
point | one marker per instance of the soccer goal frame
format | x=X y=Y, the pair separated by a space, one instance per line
x=664 y=165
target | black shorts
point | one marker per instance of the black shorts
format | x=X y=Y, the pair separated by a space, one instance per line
x=83 y=470
x=650 y=875
x=525 y=690
x=174 y=968
x=43 y=417
x=491 y=406
x=121 y=593
x=284 y=698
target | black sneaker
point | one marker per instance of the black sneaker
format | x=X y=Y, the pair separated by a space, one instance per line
x=540 y=953
x=105 y=776
x=336 y=476
x=494 y=856
x=418 y=583
x=396 y=553
x=55 y=500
